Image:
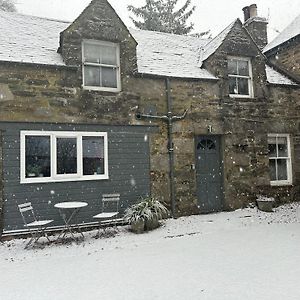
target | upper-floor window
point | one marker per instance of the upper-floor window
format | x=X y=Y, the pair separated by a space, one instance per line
x=280 y=159
x=101 y=66
x=50 y=156
x=240 y=77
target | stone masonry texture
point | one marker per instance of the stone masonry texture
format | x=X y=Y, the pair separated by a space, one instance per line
x=287 y=58
x=39 y=93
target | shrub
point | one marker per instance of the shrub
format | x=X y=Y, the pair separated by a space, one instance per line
x=149 y=210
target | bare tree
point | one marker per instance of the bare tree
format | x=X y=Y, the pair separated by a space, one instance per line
x=8 y=5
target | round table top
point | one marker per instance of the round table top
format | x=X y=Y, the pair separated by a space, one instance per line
x=72 y=204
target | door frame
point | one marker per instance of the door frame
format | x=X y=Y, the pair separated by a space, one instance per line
x=221 y=154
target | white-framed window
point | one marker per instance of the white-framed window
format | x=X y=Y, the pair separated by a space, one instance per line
x=280 y=164
x=52 y=156
x=240 y=77
x=101 y=66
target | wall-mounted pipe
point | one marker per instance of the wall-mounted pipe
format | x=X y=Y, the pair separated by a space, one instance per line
x=169 y=118
x=171 y=148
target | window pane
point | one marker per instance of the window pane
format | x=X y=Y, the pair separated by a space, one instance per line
x=91 y=76
x=100 y=54
x=232 y=67
x=282 y=169
x=91 y=53
x=108 y=55
x=66 y=155
x=272 y=167
x=272 y=150
x=233 y=86
x=271 y=139
x=109 y=77
x=282 y=147
x=37 y=160
x=93 y=155
x=243 y=88
x=243 y=68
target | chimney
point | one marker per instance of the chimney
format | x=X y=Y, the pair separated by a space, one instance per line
x=246 y=13
x=257 y=26
x=253 y=10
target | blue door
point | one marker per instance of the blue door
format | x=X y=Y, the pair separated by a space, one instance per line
x=209 y=174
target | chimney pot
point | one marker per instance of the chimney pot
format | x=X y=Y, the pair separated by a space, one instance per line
x=246 y=11
x=253 y=10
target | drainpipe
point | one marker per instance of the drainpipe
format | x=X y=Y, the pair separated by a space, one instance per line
x=171 y=148
x=1 y=184
x=169 y=118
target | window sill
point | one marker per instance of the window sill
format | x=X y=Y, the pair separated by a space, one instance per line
x=280 y=183
x=101 y=89
x=68 y=179
x=241 y=96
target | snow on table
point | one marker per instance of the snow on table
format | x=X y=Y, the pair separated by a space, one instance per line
x=73 y=204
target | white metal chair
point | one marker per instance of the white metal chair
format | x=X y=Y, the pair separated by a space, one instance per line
x=110 y=211
x=35 y=227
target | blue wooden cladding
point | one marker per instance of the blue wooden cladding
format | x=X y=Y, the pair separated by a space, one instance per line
x=128 y=169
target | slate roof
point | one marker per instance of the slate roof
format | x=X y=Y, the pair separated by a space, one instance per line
x=288 y=33
x=169 y=54
x=35 y=40
x=274 y=77
x=30 y=39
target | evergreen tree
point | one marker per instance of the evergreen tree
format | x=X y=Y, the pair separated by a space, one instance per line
x=162 y=15
x=7 y=5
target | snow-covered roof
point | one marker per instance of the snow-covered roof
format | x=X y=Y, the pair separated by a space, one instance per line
x=288 y=33
x=215 y=43
x=35 y=40
x=30 y=39
x=169 y=54
x=275 y=77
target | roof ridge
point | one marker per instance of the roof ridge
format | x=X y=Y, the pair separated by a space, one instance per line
x=205 y=50
x=220 y=33
x=35 y=17
x=169 y=34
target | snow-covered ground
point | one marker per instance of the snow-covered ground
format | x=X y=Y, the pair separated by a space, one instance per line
x=246 y=254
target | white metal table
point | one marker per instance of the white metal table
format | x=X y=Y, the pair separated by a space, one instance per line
x=73 y=209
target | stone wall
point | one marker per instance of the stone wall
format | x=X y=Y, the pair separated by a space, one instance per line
x=34 y=93
x=257 y=27
x=41 y=94
x=98 y=22
x=37 y=93
x=287 y=58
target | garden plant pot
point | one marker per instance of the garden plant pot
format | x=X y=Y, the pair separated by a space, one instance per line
x=151 y=224
x=138 y=226
x=265 y=205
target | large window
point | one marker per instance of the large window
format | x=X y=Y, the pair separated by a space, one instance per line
x=101 y=66
x=63 y=156
x=240 y=77
x=279 y=159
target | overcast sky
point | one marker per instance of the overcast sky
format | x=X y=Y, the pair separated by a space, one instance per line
x=209 y=14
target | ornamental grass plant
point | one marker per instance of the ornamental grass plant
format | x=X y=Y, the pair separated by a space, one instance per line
x=146 y=214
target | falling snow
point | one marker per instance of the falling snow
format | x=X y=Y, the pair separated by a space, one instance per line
x=246 y=254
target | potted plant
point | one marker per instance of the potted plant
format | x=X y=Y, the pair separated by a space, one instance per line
x=265 y=203
x=33 y=170
x=145 y=215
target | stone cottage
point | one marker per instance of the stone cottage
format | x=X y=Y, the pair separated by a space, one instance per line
x=284 y=50
x=93 y=107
